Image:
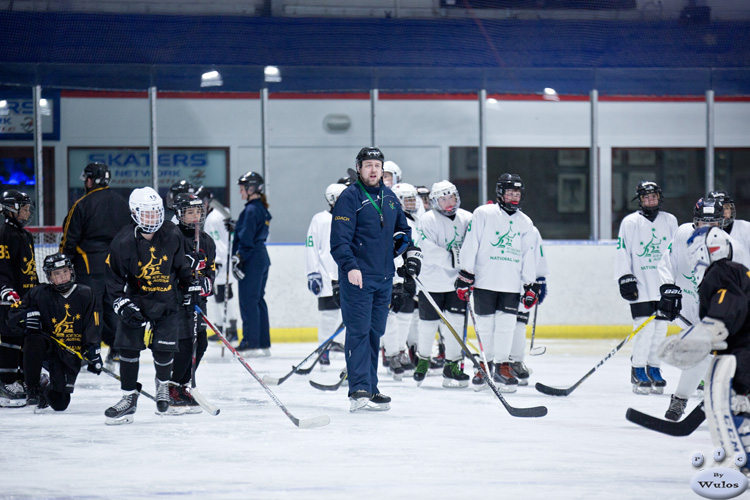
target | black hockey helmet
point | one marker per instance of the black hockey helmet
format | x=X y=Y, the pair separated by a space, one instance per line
x=204 y=194
x=346 y=181
x=644 y=188
x=505 y=182
x=184 y=201
x=252 y=179
x=12 y=201
x=98 y=172
x=182 y=186
x=709 y=212
x=369 y=153
x=727 y=201
x=57 y=261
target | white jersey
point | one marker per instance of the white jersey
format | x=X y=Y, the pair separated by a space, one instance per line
x=436 y=236
x=499 y=249
x=540 y=260
x=318 y=251
x=674 y=268
x=640 y=246
x=214 y=227
x=741 y=232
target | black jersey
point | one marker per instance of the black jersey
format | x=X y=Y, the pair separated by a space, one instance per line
x=90 y=226
x=17 y=263
x=724 y=294
x=207 y=247
x=148 y=272
x=73 y=318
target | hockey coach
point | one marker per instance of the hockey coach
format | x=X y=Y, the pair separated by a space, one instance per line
x=368 y=231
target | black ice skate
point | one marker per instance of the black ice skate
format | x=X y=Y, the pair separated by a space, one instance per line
x=378 y=402
x=657 y=381
x=453 y=377
x=676 y=408
x=504 y=378
x=358 y=400
x=177 y=406
x=192 y=405
x=639 y=379
x=162 y=397
x=421 y=370
x=395 y=368
x=406 y=362
x=122 y=412
x=12 y=395
x=520 y=372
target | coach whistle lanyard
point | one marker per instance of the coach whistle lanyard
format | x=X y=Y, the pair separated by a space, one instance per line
x=378 y=208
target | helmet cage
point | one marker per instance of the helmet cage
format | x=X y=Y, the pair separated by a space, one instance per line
x=709 y=211
x=144 y=201
x=504 y=183
x=185 y=201
x=57 y=261
x=12 y=203
x=408 y=197
x=182 y=186
x=440 y=190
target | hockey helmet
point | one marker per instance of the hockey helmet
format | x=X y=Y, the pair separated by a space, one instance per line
x=644 y=188
x=204 y=194
x=57 y=261
x=442 y=191
x=98 y=172
x=708 y=212
x=146 y=209
x=182 y=186
x=333 y=191
x=251 y=180
x=184 y=202
x=707 y=245
x=346 y=181
x=369 y=153
x=395 y=172
x=728 y=203
x=407 y=195
x=505 y=182
x=13 y=201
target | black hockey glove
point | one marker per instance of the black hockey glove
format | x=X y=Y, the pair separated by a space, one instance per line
x=413 y=261
x=315 y=283
x=628 y=287
x=671 y=301
x=130 y=314
x=229 y=224
x=236 y=267
x=400 y=243
x=207 y=286
x=336 y=293
x=397 y=297
x=9 y=296
x=542 y=283
x=93 y=355
x=33 y=322
x=196 y=261
x=464 y=284
x=530 y=295
x=410 y=286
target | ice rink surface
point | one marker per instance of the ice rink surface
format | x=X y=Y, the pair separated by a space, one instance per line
x=433 y=443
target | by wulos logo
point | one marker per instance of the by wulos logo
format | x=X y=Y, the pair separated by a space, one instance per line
x=719 y=482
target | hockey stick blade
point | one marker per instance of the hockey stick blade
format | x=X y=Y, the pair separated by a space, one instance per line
x=334 y=387
x=320 y=350
x=313 y=423
x=203 y=402
x=538 y=350
x=554 y=391
x=684 y=427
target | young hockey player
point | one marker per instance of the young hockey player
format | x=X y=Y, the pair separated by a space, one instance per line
x=440 y=234
x=182 y=186
x=498 y=258
x=424 y=195
x=642 y=240
x=189 y=209
x=17 y=277
x=736 y=228
x=146 y=268
x=58 y=311
x=391 y=174
x=322 y=272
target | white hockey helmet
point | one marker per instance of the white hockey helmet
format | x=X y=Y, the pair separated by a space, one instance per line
x=395 y=171
x=443 y=189
x=333 y=191
x=707 y=245
x=147 y=209
x=407 y=195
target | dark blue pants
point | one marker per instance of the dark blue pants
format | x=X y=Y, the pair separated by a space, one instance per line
x=253 y=309
x=365 y=312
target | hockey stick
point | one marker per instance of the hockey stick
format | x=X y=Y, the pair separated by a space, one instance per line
x=203 y=402
x=536 y=411
x=65 y=347
x=10 y=346
x=540 y=349
x=554 y=391
x=684 y=427
x=479 y=338
x=309 y=423
x=226 y=215
x=320 y=350
x=333 y=387
x=466 y=331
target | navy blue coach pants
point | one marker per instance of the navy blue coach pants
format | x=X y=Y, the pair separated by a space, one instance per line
x=365 y=312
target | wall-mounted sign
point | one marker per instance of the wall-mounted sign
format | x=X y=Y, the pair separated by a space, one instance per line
x=17 y=117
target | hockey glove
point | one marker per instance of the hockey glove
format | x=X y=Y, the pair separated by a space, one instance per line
x=410 y=286
x=628 y=287
x=413 y=260
x=530 y=295
x=455 y=250
x=541 y=282
x=236 y=267
x=229 y=224
x=196 y=261
x=671 y=301
x=230 y=293
x=400 y=243
x=129 y=313
x=315 y=283
x=33 y=322
x=464 y=284
x=397 y=297
x=93 y=355
x=689 y=347
x=9 y=296
x=336 y=293
x=207 y=286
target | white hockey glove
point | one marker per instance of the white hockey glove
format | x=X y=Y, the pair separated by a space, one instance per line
x=237 y=272
x=691 y=346
x=455 y=251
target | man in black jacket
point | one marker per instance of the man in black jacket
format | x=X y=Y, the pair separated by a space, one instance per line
x=88 y=230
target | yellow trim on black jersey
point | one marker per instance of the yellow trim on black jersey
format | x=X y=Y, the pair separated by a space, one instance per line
x=70 y=213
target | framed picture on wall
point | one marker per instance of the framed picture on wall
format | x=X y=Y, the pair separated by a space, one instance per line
x=571 y=193
x=572 y=157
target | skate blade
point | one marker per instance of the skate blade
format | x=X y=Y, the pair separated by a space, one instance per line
x=643 y=391
x=358 y=404
x=127 y=419
x=479 y=387
x=174 y=411
x=657 y=390
x=42 y=411
x=507 y=389
x=377 y=407
x=398 y=377
x=12 y=403
x=193 y=410
x=455 y=384
x=524 y=381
